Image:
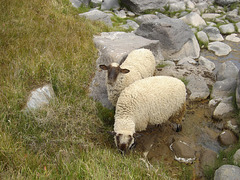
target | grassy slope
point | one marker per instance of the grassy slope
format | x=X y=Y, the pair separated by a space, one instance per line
x=46 y=42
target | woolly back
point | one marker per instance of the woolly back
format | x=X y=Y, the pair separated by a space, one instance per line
x=151 y=100
x=141 y=60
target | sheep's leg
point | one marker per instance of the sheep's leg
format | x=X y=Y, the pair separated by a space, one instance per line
x=179 y=128
x=177 y=118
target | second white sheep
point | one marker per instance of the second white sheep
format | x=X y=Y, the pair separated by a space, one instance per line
x=150 y=101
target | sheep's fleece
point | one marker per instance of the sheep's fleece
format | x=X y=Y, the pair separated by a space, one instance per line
x=141 y=64
x=151 y=100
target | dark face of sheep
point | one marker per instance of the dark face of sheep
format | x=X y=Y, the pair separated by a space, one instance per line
x=112 y=72
x=123 y=142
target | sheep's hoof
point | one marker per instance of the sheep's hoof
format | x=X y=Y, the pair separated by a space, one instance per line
x=176 y=127
x=179 y=128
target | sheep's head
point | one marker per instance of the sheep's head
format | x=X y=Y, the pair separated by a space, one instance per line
x=113 y=71
x=124 y=141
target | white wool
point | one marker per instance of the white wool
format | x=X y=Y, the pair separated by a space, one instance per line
x=141 y=64
x=151 y=100
x=115 y=64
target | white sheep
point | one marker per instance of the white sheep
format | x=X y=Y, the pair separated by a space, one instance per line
x=139 y=64
x=150 y=101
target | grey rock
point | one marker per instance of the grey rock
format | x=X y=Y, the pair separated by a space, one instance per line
x=210 y=16
x=113 y=46
x=78 y=3
x=177 y=6
x=211 y=24
x=233 y=18
x=213 y=33
x=120 y=14
x=236 y=157
x=202 y=37
x=110 y=4
x=227 y=70
x=202 y=6
x=238 y=27
x=194 y=19
x=130 y=14
x=219 y=48
x=208 y=158
x=233 y=38
x=224 y=88
x=185 y=70
x=206 y=63
x=139 y=6
x=183 y=152
x=238 y=91
x=186 y=60
x=227 y=138
x=175 y=37
x=232 y=125
x=198 y=88
x=40 y=97
x=225 y=2
x=130 y=24
x=228 y=172
x=223 y=109
x=222 y=21
x=96 y=15
x=96 y=3
x=190 y=5
x=214 y=102
x=145 y=18
x=227 y=28
x=233 y=13
x=161 y=16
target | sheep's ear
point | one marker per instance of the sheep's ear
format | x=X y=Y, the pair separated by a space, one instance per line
x=136 y=135
x=112 y=133
x=124 y=71
x=103 y=67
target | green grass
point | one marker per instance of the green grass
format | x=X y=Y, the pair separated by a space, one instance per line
x=47 y=42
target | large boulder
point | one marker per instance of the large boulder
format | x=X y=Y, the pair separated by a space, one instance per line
x=175 y=37
x=139 y=6
x=113 y=47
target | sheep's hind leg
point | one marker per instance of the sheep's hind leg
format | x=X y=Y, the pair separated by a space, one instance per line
x=176 y=119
